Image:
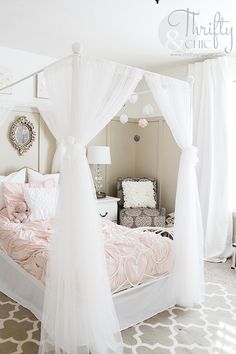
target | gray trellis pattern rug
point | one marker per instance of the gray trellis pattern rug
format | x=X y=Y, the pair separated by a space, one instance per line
x=210 y=328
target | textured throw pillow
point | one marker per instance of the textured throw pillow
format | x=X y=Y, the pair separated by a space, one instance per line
x=34 y=176
x=14 y=193
x=138 y=194
x=42 y=202
x=17 y=177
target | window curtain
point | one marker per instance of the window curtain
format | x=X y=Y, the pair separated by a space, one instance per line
x=79 y=317
x=173 y=98
x=210 y=102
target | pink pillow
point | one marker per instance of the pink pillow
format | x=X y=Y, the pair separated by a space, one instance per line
x=14 y=193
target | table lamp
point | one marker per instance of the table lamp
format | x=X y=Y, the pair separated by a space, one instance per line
x=99 y=155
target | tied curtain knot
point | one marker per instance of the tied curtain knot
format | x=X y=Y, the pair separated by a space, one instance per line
x=73 y=148
x=191 y=154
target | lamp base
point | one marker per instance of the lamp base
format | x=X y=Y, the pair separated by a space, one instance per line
x=101 y=195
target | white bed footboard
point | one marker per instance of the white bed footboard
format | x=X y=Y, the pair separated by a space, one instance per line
x=132 y=305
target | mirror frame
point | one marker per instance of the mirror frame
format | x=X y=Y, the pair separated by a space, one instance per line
x=22 y=121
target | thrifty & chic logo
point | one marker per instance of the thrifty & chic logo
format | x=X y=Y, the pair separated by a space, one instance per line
x=182 y=33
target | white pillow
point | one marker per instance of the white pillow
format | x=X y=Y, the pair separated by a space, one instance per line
x=42 y=202
x=138 y=194
x=15 y=177
x=34 y=176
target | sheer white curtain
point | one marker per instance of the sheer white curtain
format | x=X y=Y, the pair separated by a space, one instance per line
x=173 y=97
x=79 y=316
x=210 y=102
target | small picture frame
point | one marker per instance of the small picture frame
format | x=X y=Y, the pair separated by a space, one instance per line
x=5 y=79
x=41 y=88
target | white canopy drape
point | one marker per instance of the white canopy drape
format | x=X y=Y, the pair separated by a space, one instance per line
x=85 y=94
x=210 y=103
x=79 y=317
x=174 y=100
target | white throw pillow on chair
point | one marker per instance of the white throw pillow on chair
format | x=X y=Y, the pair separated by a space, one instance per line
x=138 y=194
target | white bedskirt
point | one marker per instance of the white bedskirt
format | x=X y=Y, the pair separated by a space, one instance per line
x=132 y=305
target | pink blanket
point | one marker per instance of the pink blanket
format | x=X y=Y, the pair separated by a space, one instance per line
x=132 y=255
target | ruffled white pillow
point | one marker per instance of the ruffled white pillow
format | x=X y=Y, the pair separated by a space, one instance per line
x=34 y=176
x=42 y=202
x=138 y=194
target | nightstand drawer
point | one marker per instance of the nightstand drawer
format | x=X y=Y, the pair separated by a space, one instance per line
x=108 y=211
x=107 y=208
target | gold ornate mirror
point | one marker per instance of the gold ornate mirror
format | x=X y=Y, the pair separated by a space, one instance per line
x=22 y=134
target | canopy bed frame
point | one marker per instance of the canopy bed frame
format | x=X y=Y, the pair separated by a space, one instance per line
x=79 y=314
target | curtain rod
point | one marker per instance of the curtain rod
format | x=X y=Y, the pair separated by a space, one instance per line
x=76 y=48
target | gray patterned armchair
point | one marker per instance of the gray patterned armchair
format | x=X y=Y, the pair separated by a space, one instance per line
x=139 y=217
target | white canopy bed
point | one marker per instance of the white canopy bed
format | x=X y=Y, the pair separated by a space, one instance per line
x=79 y=314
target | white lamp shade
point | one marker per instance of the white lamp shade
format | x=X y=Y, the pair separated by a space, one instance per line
x=99 y=155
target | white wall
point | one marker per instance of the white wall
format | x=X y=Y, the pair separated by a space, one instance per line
x=21 y=64
x=39 y=156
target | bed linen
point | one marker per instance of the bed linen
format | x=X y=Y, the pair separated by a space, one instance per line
x=132 y=256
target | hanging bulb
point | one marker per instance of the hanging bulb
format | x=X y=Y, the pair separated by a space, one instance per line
x=133 y=98
x=124 y=118
x=148 y=110
x=143 y=123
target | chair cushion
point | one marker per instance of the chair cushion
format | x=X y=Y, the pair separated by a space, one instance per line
x=138 y=194
x=139 y=217
x=120 y=192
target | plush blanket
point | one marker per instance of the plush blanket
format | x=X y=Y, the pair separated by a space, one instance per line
x=132 y=255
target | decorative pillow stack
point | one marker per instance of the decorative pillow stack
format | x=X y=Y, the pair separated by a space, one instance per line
x=15 y=193
x=138 y=194
x=41 y=201
x=40 y=194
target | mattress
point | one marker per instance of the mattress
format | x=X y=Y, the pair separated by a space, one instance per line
x=133 y=256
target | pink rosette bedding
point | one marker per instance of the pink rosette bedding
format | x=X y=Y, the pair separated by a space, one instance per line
x=132 y=255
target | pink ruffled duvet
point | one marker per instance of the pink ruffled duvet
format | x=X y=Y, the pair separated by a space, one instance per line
x=132 y=256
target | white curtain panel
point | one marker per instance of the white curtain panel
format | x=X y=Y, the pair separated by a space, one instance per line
x=79 y=315
x=173 y=98
x=48 y=114
x=210 y=107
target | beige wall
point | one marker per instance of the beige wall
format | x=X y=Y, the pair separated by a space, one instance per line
x=120 y=140
x=155 y=155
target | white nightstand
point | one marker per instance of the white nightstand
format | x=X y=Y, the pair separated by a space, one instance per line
x=108 y=208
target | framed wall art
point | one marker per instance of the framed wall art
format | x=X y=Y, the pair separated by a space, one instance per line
x=41 y=88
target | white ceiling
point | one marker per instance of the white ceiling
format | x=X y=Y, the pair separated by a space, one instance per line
x=122 y=30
